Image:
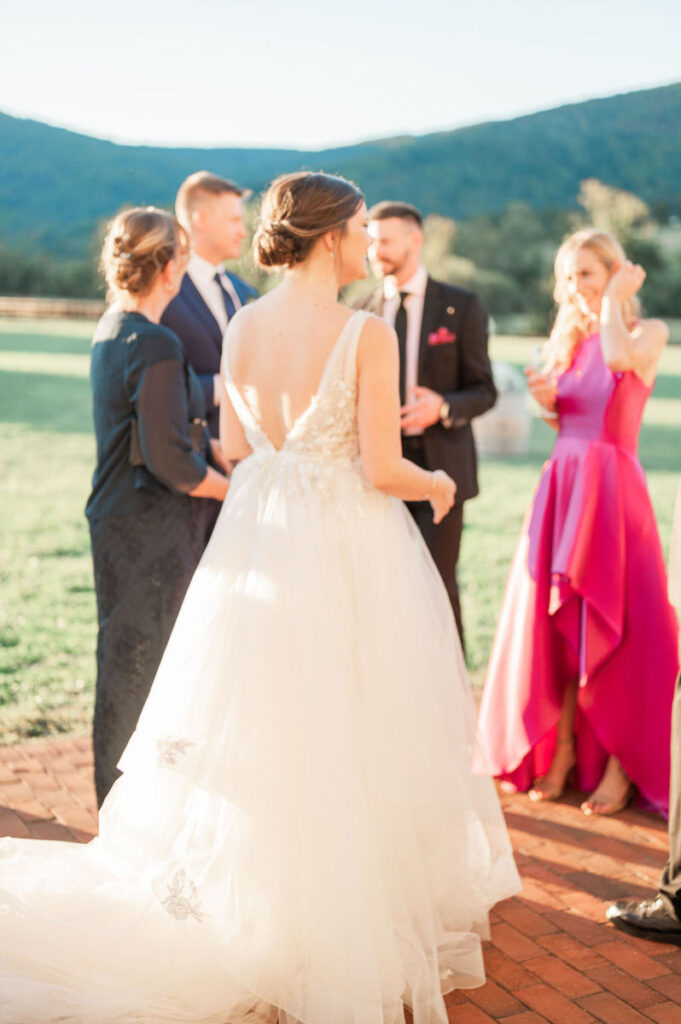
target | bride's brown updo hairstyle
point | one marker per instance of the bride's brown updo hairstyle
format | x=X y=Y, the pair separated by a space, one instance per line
x=297 y=210
x=138 y=245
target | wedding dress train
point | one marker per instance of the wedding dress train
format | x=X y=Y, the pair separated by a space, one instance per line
x=297 y=835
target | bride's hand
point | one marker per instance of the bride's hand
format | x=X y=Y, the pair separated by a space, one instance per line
x=441 y=495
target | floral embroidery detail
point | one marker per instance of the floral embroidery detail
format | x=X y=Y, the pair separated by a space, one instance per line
x=330 y=431
x=170 y=750
x=183 y=904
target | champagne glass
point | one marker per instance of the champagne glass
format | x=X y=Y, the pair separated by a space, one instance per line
x=536 y=363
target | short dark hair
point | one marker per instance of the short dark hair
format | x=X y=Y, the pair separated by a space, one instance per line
x=198 y=186
x=390 y=208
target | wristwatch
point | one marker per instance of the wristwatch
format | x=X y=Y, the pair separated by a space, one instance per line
x=446 y=418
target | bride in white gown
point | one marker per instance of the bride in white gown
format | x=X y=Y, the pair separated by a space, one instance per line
x=297 y=835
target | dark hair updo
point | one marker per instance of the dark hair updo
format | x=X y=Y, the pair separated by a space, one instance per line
x=297 y=210
x=138 y=245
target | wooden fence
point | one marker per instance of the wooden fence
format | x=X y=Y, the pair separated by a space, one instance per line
x=32 y=306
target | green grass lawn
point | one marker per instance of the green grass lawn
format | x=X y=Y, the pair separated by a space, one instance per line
x=47 y=605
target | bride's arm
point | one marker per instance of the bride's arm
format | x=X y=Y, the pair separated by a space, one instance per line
x=232 y=437
x=380 y=442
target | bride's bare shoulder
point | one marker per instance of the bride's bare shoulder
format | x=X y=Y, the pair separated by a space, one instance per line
x=252 y=310
x=377 y=340
x=248 y=317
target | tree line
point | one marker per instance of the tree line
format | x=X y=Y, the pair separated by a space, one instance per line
x=506 y=257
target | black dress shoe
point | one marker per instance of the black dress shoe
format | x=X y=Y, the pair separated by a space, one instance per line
x=649 y=919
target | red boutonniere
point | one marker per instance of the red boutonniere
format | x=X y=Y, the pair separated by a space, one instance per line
x=441 y=337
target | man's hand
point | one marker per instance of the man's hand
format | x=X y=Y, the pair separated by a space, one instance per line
x=423 y=412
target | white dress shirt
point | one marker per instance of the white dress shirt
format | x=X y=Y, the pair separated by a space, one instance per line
x=203 y=274
x=415 y=288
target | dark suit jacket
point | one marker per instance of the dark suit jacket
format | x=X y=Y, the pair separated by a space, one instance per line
x=459 y=370
x=198 y=330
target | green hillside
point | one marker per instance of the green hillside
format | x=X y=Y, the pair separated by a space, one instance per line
x=56 y=185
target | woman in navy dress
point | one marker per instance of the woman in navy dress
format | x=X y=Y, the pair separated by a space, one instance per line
x=153 y=464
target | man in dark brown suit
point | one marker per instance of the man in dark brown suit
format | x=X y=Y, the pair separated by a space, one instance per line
x=445 y=372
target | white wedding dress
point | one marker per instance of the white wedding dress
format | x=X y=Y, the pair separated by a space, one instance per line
x=297 y=835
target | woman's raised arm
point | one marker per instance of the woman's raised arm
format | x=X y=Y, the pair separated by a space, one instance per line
x=638 y=349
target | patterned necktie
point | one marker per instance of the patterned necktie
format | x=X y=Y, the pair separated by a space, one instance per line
x=401 y=331
x=230 y=308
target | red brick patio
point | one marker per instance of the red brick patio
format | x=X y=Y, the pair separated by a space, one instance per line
x=551 y=958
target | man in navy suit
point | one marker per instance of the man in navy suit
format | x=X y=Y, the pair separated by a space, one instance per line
x=211 y=210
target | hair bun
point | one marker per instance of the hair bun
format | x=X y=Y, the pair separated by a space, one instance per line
x=297 y=210
x=140 y=242
x=276 y=245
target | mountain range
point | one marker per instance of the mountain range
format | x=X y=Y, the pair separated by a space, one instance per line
x=56 y=186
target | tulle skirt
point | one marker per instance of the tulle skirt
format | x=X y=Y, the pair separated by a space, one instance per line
x=297 y=835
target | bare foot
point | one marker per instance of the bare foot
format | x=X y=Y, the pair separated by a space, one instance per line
x=612 y=793
x=552 y=785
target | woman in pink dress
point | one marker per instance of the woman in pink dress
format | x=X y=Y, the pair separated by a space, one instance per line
x=582 y=671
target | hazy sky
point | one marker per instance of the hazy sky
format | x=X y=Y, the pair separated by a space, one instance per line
x=312 y=73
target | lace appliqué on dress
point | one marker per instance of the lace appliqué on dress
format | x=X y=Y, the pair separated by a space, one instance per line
x=171 y=749
x=182 y=900
x=330 y=431
x=320 y=454
x=325 y=450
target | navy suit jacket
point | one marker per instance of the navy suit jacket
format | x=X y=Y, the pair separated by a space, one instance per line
x=198 y=330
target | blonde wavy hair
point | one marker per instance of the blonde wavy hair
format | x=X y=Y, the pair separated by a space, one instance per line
x=573 y=324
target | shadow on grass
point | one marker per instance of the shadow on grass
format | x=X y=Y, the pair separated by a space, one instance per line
x=668 y=385
x=52 y=344
x=46 y=402
x=659 y=447
x=658 y=450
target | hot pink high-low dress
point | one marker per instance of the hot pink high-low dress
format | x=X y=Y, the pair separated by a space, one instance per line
x=587 y=599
